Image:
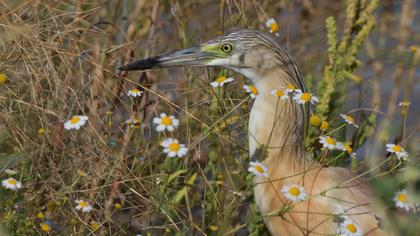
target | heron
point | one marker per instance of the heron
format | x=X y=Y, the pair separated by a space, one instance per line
x=276 y=134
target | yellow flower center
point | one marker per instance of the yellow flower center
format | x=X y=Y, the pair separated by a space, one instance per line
x=306 y=97
x=295 y=191
x=259 y=169
x=83 y=204
x=95 y=226
x=41 y=131
x=12 y=181
x=352 y=228
x=274 y=27
x=324 y=125
x=45 y=227
x=135 y=91
x=74 y=120
x=348 y=148
x=315 y=120
x=3 y=79
x=279 y=93
x=174 y=147
x=81 y=173
x=330 y=141
x=349 y=119
x=213 y=228
x=253 y=89
x=40 y=215
x=291 y=86
x=166 y=120
x=221 y=79
x=397 y=148
x=402 y=197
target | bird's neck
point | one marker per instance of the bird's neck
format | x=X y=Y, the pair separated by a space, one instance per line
x=276 y=127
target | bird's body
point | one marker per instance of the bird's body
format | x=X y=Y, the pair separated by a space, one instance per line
x=278 y=126
x=276 y=133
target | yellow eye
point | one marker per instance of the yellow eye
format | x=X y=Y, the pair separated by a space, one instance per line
x=226 y=48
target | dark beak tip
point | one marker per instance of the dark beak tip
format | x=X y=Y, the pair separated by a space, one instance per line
x=131 y=67
x=140 y=64
x=123 y=68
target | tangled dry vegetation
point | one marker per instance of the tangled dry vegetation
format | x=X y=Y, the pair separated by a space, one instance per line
x=59 y=59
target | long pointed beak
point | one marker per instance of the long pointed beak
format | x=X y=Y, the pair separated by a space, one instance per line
x=187 y=57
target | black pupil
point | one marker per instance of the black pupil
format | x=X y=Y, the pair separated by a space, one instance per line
x=226 y=48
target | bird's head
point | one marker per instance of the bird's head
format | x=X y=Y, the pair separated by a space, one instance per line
x=245 y=51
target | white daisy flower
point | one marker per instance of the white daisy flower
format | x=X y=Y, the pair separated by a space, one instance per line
x=294 y=193
x=302 y=98
x=11 y=183
x=290 y=88
x=75 y=122
x=165 y=122
x=83 y=206
x=220 y=81
x=404 y=104
x=133 y=123
x=258 y=169
x=134 y=93
x=173 y=148
x=158 y=180
x=280 y=93
x=347 y=148
x=252 y=90
x=273 y=26
x=10 y=171
x=349 y=120
x=330 y=143
x=401 y=200
x=349 y=228
x=398 y=150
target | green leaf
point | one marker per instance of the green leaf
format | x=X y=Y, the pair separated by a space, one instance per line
x=176 y=174
x=191 y=180
x=180 y=194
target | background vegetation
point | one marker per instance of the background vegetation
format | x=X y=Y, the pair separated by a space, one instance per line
x=59 y=59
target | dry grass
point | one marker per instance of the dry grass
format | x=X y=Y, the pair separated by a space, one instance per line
x=60 y=59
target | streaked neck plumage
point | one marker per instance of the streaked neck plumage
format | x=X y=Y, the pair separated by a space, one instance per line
x=277 y=127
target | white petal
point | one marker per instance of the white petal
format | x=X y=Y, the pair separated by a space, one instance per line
x=160 y=128
x=157 y=120
x=67 y=125
x=87 y=209
x=214 y=84
x=175 y=122
x=166 y=142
